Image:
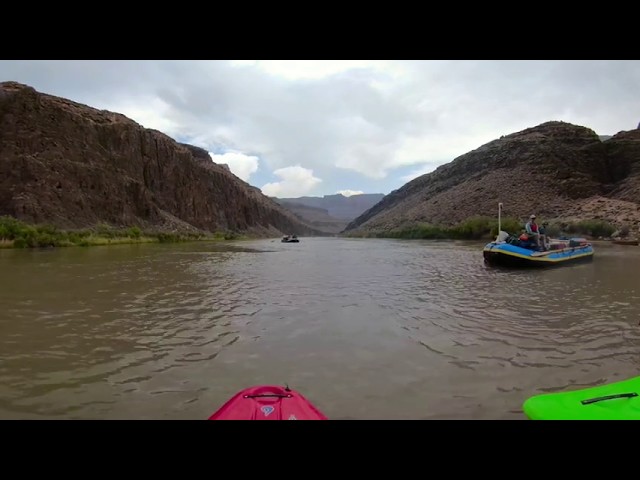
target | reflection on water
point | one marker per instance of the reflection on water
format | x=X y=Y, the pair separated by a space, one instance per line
x=364 y=328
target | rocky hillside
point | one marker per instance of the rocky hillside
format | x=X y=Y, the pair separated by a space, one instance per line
x=560 y=171
x=73 y=166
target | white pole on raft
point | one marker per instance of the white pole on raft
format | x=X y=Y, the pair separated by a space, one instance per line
x=499 y=211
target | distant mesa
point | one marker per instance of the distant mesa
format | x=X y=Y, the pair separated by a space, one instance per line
x=330 y=213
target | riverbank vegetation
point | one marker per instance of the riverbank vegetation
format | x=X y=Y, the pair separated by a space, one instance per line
x=478 y=228
x=17 y=234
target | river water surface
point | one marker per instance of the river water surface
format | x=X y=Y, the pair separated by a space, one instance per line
x=364 y=328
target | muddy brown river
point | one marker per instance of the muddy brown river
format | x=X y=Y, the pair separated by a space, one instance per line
x=364 y=328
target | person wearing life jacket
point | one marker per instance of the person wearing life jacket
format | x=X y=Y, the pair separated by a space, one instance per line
x=533 y=232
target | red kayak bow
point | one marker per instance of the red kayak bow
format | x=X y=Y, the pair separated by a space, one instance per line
x=268 y=402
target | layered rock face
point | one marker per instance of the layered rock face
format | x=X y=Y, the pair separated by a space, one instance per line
x=73 y=166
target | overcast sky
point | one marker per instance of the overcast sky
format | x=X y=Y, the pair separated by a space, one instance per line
x=318 y=127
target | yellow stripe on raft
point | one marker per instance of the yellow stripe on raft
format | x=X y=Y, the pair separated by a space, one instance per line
x=538 y=259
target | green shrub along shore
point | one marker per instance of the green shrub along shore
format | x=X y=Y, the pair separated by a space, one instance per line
x=478 y=228
x=17 y=234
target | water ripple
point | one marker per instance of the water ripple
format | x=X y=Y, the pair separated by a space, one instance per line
x=173 y=331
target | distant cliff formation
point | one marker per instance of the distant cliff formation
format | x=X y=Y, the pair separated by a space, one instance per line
x=73 y=166
x=339 y=206
x=318 y=218
x=557 y=170
x=330 y=213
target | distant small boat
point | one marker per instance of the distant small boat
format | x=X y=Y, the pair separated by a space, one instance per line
x=626 y=242
x=290 y=239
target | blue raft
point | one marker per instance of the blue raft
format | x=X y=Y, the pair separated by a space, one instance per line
x=512 y=252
